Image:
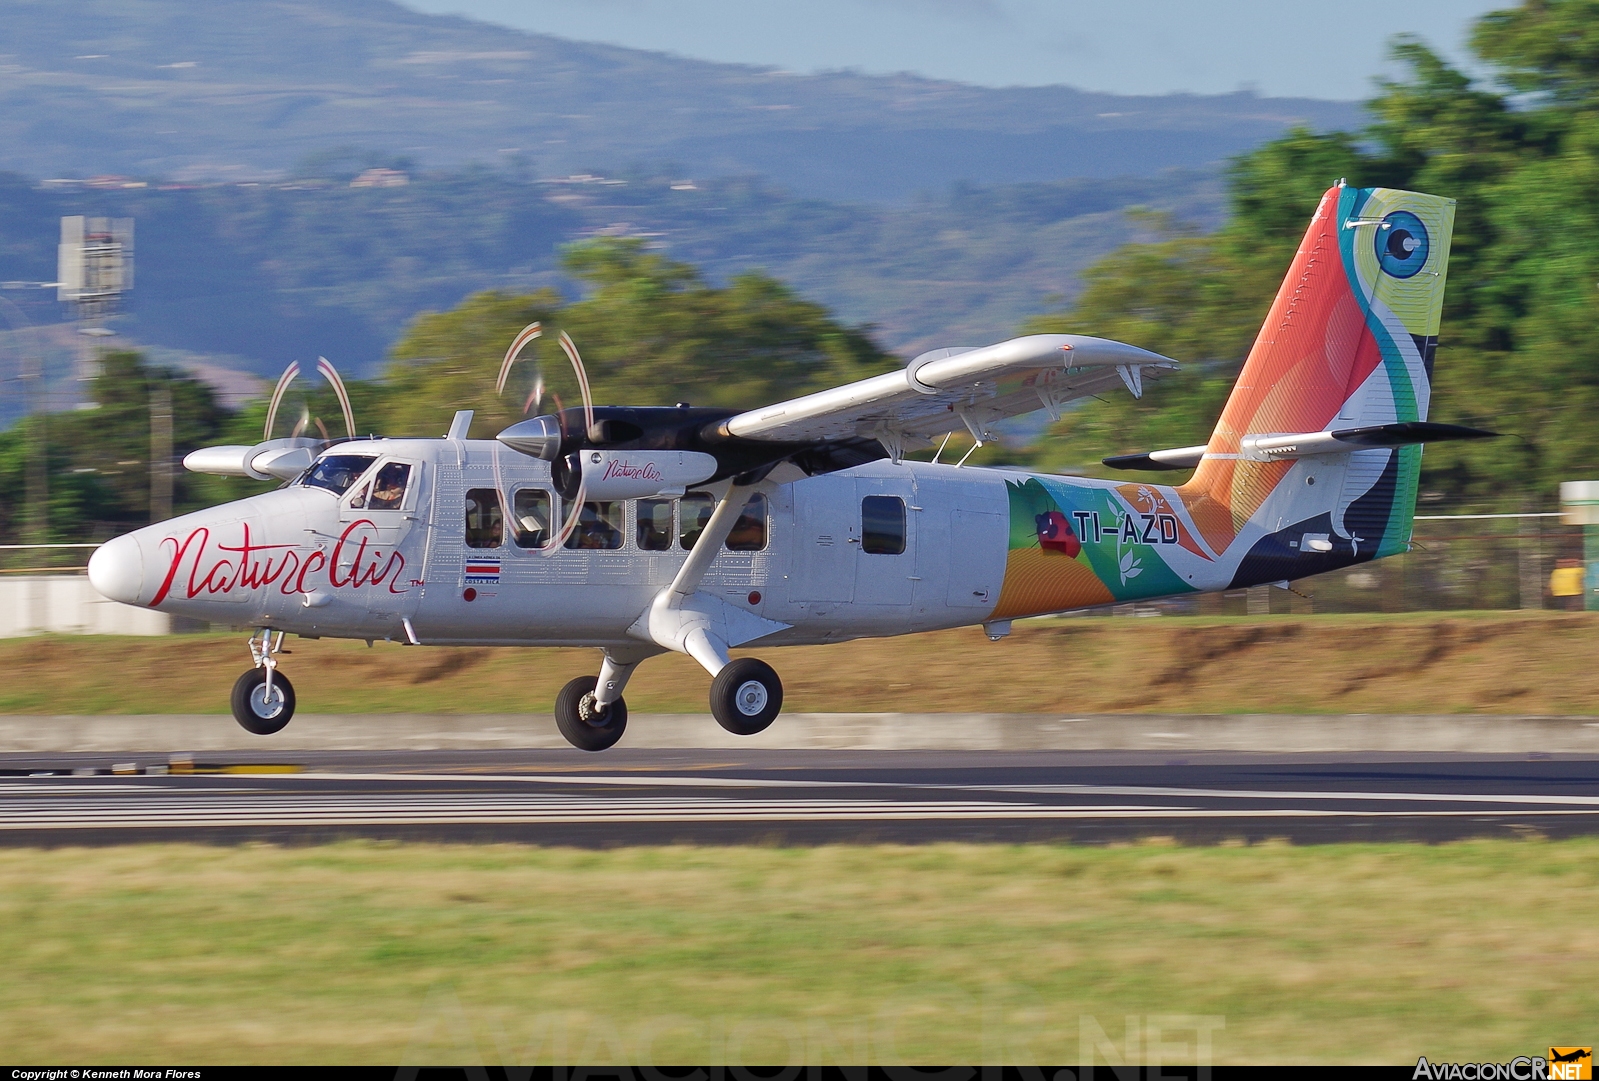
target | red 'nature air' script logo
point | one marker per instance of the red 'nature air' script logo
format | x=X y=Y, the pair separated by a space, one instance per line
x=617 y=468
x=222 y=568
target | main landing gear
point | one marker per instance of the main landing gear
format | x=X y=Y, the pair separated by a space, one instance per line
x=585 y=723
x=746 y=696
x=263 y=699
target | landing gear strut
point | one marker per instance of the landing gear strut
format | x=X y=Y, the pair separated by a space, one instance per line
x=263 y=699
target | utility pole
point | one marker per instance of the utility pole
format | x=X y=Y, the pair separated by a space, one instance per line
x=35 y=409
x=160 y=452
x=38 y=478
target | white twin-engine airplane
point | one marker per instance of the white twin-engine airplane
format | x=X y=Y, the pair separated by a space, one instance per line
x=642 y=530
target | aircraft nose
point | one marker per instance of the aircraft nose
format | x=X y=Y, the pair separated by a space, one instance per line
x=116 y=570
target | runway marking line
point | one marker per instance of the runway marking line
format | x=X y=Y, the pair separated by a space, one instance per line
x=625 y=816
x=1063 y=790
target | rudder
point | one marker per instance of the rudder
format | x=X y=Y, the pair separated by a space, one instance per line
x=1348 y=342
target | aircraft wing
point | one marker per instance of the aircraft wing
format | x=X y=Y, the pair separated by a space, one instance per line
x=946 y=390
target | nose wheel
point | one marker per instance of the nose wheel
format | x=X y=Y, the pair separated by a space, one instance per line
x=746 y=696
x=260 y=708
x=263 y=698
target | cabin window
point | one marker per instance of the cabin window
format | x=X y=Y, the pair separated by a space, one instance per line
x=600 y=525
x=883 y=525
x=693 y=511
x=485 y=520
x=654 y=525
x=749 y=532
x=532 y=517
x=337 y=472
x=388 y=487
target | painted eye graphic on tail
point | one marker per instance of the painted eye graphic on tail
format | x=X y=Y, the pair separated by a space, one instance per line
x=1402 y=245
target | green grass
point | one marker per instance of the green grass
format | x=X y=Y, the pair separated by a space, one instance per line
x=362 y=952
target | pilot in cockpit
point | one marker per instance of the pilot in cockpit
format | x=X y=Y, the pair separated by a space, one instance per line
x=388 y=490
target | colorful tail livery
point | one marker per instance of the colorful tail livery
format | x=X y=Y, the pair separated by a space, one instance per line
x=1314 y=463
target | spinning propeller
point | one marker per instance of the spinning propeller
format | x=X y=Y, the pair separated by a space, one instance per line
x=326 y=369
x=566 y=471
x=283 y=459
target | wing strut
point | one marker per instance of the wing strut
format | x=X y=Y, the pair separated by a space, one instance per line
x=683 y=619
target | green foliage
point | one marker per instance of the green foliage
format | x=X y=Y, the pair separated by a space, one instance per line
x=650 y=331
x=1517 y=351
x=98 y=476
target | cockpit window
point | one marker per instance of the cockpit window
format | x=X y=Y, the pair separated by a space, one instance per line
x=388 y=489
x=337 y=472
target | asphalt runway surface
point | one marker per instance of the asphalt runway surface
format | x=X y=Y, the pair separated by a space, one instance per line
x=626 y=797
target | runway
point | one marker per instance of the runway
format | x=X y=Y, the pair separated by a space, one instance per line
x=790 y=796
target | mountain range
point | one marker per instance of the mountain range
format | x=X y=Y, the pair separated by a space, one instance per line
x=251 y=89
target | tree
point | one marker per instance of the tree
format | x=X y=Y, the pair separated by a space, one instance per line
x=650 y=331
x=1517 y=351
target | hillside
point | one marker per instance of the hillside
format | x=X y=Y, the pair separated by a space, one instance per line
x=260 y=275
x=248 y=88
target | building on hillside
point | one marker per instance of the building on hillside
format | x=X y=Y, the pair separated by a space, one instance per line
x=381 y=178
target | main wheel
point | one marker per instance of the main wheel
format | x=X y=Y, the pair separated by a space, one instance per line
x=254 y=710
x=582 y=722
x=745 y=696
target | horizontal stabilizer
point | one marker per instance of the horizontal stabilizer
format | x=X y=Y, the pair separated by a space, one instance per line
x=1274 y=448
x=1181 y=458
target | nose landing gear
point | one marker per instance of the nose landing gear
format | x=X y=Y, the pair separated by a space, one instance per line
x=263 y=700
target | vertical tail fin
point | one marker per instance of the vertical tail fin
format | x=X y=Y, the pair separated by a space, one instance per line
x=1349 y=342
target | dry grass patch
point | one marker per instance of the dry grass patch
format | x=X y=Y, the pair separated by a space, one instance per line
x=1487 y=662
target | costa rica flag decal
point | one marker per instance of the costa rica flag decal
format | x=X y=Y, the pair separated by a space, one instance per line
x=482 y=572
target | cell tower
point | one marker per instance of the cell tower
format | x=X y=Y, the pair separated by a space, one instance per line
x=94 y=268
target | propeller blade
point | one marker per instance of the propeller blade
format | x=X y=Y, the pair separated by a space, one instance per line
x=277 y=396
x=299 y=425
x=331 y=374
x=573 y=512
x=520 y=342
x=570 y=349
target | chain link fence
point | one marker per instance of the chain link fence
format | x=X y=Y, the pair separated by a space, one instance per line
x=1456 y=562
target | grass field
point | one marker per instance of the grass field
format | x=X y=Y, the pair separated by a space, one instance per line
x=1475 y=662
x=362 y=952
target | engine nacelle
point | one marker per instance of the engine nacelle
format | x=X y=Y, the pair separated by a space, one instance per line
x=279 y=459
x=637 y=474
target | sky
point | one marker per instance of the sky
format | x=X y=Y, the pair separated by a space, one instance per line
x=1274 y=47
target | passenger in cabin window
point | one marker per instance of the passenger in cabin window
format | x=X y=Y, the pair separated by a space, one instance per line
x=654 y=525
x=599 y=526
x=749 y=532
x=534 y=513
x=694 y=511
x=485 y=521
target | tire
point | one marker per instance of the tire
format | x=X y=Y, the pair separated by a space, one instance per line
x=746 y=696
x=575 y=716
x=250 y=707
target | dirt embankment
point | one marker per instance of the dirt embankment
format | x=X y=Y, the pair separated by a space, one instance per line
x=1492 y=662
